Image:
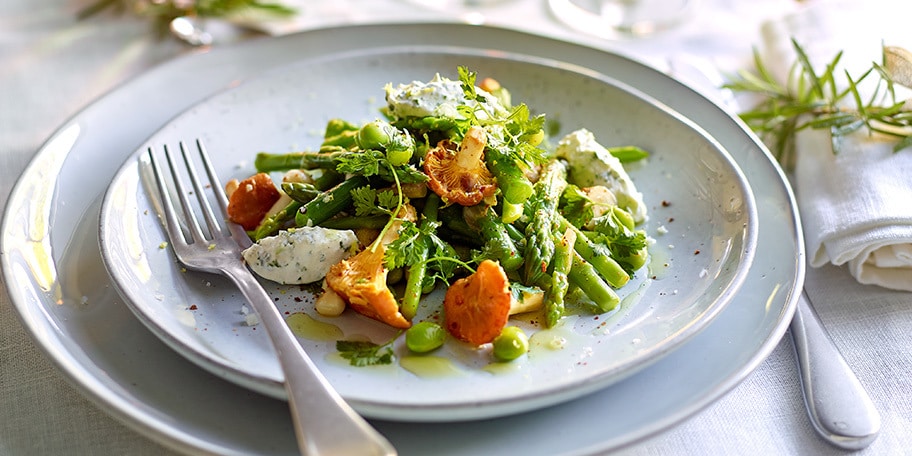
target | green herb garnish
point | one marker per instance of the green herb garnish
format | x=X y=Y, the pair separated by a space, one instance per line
x=369 y=201
x=364 y=353
x=511 y=133
x=375 y=163
x=830 y=100
x=163 y=12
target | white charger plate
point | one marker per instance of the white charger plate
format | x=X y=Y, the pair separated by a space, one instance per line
x=66 y=301
x=695 y=194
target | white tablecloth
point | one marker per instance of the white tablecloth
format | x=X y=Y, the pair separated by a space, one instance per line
x=52 y=65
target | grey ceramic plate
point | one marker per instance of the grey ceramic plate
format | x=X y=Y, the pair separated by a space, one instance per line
x=67 y=302
x=694 y=191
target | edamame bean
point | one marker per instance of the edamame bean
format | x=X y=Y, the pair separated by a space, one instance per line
x=424 y=336
x=511 y=344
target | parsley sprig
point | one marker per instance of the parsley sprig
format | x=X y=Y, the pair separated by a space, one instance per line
x=829 y=100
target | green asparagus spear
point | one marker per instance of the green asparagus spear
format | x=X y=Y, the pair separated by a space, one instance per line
x=300 y=194
x=329 y=203
x=624 y=217
x=513 y=183
x=511 y=212
x=266 y=162
x=325 y=179
x=338 y=126
x=515 y=234
x=424 y=124
x=300 y=191
x=635 y=260
x=272 y=224
x=563 y=262
x=584 y=276
x=498 y=244
x=340 y=133
x=417 y=272
x=627 y=246
x=452 y=220
x=597 y=254
x=543 y=208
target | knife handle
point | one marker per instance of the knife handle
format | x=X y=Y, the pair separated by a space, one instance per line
x=837 y=404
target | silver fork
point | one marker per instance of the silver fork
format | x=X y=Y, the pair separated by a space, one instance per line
x=324 y=423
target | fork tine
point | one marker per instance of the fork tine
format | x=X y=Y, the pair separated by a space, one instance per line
x=219 y=195
x=237 y=231
x=194 y=227
x=172 y=224
x=214 y=227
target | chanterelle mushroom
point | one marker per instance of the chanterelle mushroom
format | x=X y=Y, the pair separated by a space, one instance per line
x=476 y=308
x=458 y=173
x=361 y=279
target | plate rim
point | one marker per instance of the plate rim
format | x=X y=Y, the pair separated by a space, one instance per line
x=147 y=424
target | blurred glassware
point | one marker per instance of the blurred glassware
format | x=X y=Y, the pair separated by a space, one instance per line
x=614 y=19
x=468 y=11
x=443 y=5
x=187 y=29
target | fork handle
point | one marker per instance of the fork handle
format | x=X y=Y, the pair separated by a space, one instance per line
x=324 y=423
x=838 y=405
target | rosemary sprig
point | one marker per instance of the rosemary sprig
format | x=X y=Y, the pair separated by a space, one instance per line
x=824 y=101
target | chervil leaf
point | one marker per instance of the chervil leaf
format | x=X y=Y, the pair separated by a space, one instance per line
x=374 y=163
x=388 y=200
x=363 y=353
x=364 y=199
x=365 y=163
x=621 y=241
x=467 y=79
x=444 y=260
x=576 y=206
x=406 y=250
x=415 y=244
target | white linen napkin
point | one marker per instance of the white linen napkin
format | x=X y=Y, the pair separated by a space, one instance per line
x=856 y=206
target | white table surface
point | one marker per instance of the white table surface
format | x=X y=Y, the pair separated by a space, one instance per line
x=52 y=65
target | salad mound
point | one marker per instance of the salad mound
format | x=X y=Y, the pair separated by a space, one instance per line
x=453 y=185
